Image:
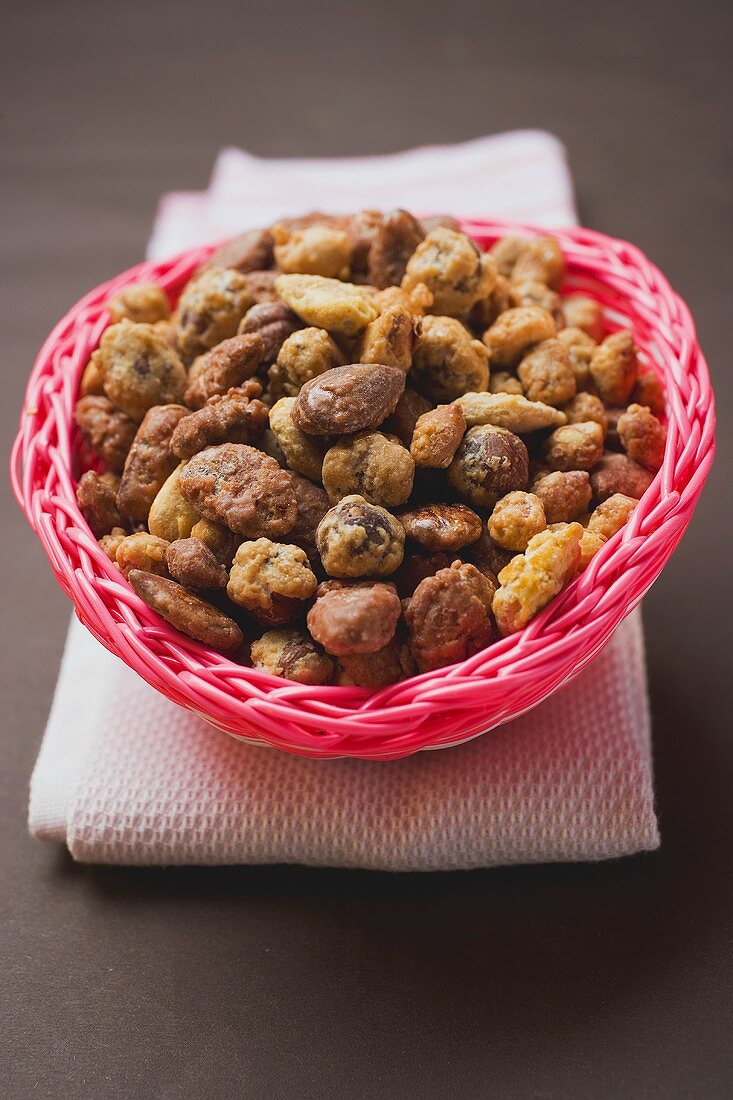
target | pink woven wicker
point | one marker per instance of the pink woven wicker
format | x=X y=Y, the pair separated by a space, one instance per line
x=435 y=709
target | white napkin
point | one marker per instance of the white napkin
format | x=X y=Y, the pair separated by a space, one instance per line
x=125 y=776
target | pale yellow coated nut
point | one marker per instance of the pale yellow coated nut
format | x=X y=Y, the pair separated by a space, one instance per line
x=263 y=569
x=501 y=381
x=453 y=268
x=584 y=313
x=531 y=580
x=303 y=453
x=574 y=446
x=327 y=303
x=142 y=551
x=515 y=331
x=509 y=410
x=516 y=519
x=613 y=368
x=610 y=516
x=448 y=361
x=141 y=302
x=304 y=355
x=590 y=544
x=171 y=517
x=312 y=250
x=374 y=466
x=390 y=339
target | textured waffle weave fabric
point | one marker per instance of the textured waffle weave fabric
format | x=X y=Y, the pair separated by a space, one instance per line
x=124 y=776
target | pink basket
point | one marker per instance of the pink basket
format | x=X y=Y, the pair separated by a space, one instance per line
x=436 y=709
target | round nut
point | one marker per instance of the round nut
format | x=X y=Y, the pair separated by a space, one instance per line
x=515 y=331
x=489 y=463
x=448 y=361
x=516 y=519
x=375 y=466
x=574 y=446
x=293 y=656
x=358 y=539
x=358 y=618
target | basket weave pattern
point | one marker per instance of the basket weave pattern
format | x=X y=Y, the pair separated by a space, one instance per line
x=435 y=709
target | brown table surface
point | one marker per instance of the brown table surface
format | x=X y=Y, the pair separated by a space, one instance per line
x=595 y=981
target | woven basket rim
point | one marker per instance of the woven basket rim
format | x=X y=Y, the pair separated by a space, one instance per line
x=432 y=709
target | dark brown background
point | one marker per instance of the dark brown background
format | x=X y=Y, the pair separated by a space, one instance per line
x=578 y=981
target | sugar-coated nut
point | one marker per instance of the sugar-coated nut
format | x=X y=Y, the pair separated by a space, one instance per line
x=408 y=411
x=485 y=312
x=574 y=446
x=565 y=495
x=140 y=369
x=313 y=503
x=642 y=436
x=613 y=368
x=249 y=252
x=312 y=250
x=186 y=612
x=448 y=361
x=649 y=391
x=327 y=303
x=191 y=562
x=540 y=259
x=220 y=540
x=143 y=551
x=611 y=515
x=348 y=399
x=584 y=407
x=533 y=292
x=417 y=567
x=388 y=665
x=617 y=473
x=437 y=435
x=441 y=527
x=394 y=241
x=416 y=301
x=531 y=580
x=304 y=355
x=590 y=543
x=291 y=655
x=515 y=331
x=302 y=453
x=150 y=461
x=374 y=466
x=274 y=323
x=586 y=314
x=242 y=488
x=516 y=519
x=270 y=580
x=142 y=302
x=580 y=347
x=546 y=374
x=261 y=286
x=98 y=504
x=488 y=558
x=501 y=381
x=107 y=429
x=110 y=543
x=359 y=618
x=209 y=310
x=454 y=269
x=358 y=539
x=448 y=616
x=509 y=410
x=234 y=417
x=506 y=251
x=489 y=463
x=171 y=517
x=92 y=379
x=390 y=339
x=226 y=366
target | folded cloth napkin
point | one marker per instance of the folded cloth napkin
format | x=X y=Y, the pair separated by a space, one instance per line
x=125 y=776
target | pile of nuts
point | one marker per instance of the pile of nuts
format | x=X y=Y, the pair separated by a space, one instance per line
x=362 y=444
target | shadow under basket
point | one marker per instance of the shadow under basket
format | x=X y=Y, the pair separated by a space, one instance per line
x=436 y=709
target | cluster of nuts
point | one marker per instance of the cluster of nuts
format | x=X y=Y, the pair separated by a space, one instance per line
x=363 y=444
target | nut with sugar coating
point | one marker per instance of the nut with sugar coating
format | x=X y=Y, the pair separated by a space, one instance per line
x=539 y=259
x=358 y=539
x=509 y=410
x=448 y=616
x=142 y=551
x=348 y=399
x=611 y=515
x=111 y=542
x=584 y=407
x=220 y=540
x=437 y=435
x=580 y=347
x=249 y=252
x=357 y=618
x=489 y=463
x=270 y=580
x=209 y=310
x=390 y=339
x=574 y=446
x=565 y=495
x=234 y=417
x=150 y=461
x=304 y=355
x=616 y=473
x=586 y=314
x=448 y=361
x=327 y=303
x=232 y=363
x=649 y=391
x=394 y=242
x=374 y=466
x=312 y=250
x=532 y=579
x=291 y=655
x=98 y=504
x=141 y=302
x=453 y=268
x=532 y=292
x=642 y=436
x=140 y=369
x=516 y=519
x=613 y=368
x=388 y=665
x=107 y=429
x=274 y=323
x=441 y=527
x=408 y=410
x=191 y=562
x=546 y=374
x=242 y=488
x=171 y=517
x=515 y=331
x=186 y=612
x=303 y=453
x=501 y=381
